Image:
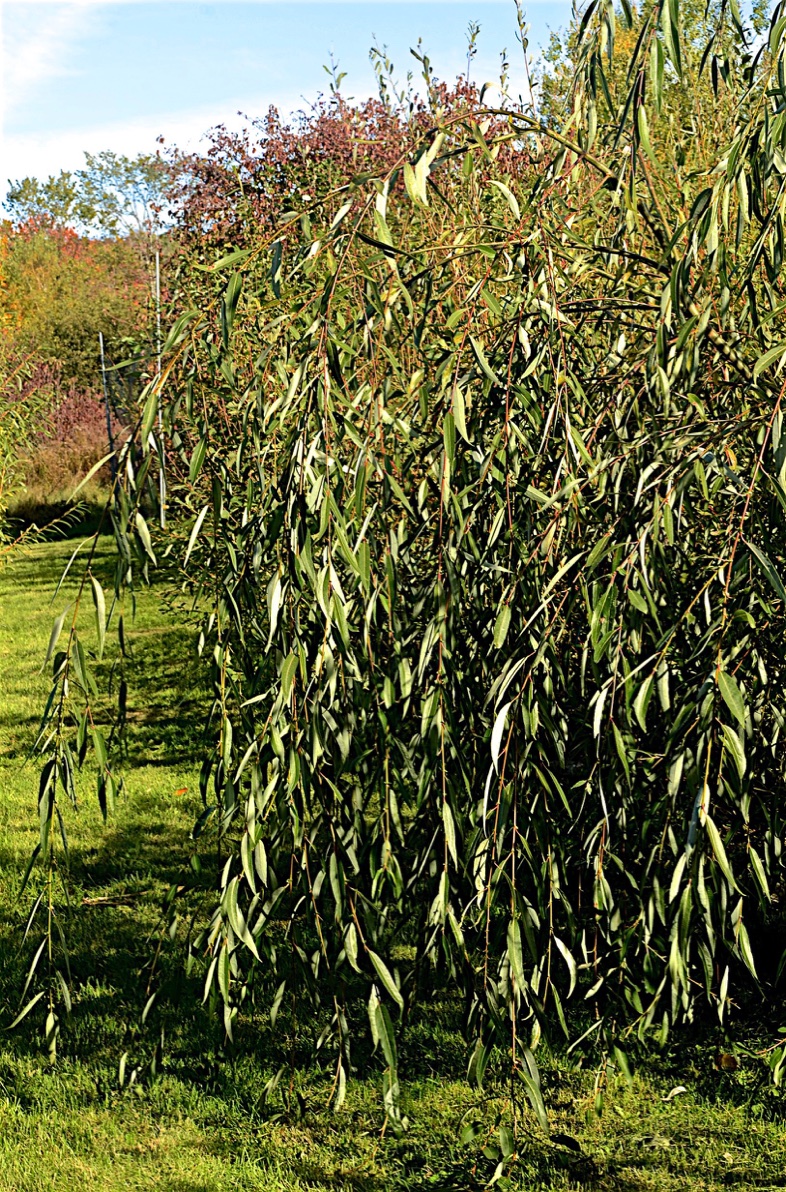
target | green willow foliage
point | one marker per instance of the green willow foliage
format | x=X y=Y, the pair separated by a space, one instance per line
x=483 y=481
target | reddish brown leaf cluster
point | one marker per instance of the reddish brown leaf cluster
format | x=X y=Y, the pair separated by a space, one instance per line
x=247 y=179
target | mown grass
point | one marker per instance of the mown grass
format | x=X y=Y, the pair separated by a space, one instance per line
x=196 y=1121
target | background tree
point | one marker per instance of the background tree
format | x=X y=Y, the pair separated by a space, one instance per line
x=112 y=195
x=238 y=188
x=60 y=292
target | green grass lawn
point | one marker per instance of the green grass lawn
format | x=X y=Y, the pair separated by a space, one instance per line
x=198 y=1123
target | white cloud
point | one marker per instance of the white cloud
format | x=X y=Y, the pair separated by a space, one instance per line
x=36 y=45
x=41 y=154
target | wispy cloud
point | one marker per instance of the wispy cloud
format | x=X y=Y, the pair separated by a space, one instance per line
x=41 y=154
x=37 y=40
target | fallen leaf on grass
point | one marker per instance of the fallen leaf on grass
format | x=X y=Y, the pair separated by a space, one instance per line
x=113 y=899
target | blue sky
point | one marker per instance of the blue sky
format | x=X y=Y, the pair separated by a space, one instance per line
x=90 y=75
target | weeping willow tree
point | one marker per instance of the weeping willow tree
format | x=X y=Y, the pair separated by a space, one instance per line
x=477 y=473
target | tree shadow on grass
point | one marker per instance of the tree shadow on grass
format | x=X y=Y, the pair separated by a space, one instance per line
x=114 y=925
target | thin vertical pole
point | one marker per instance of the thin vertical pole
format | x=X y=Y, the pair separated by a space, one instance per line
x=113 y=461
x=161 y=455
